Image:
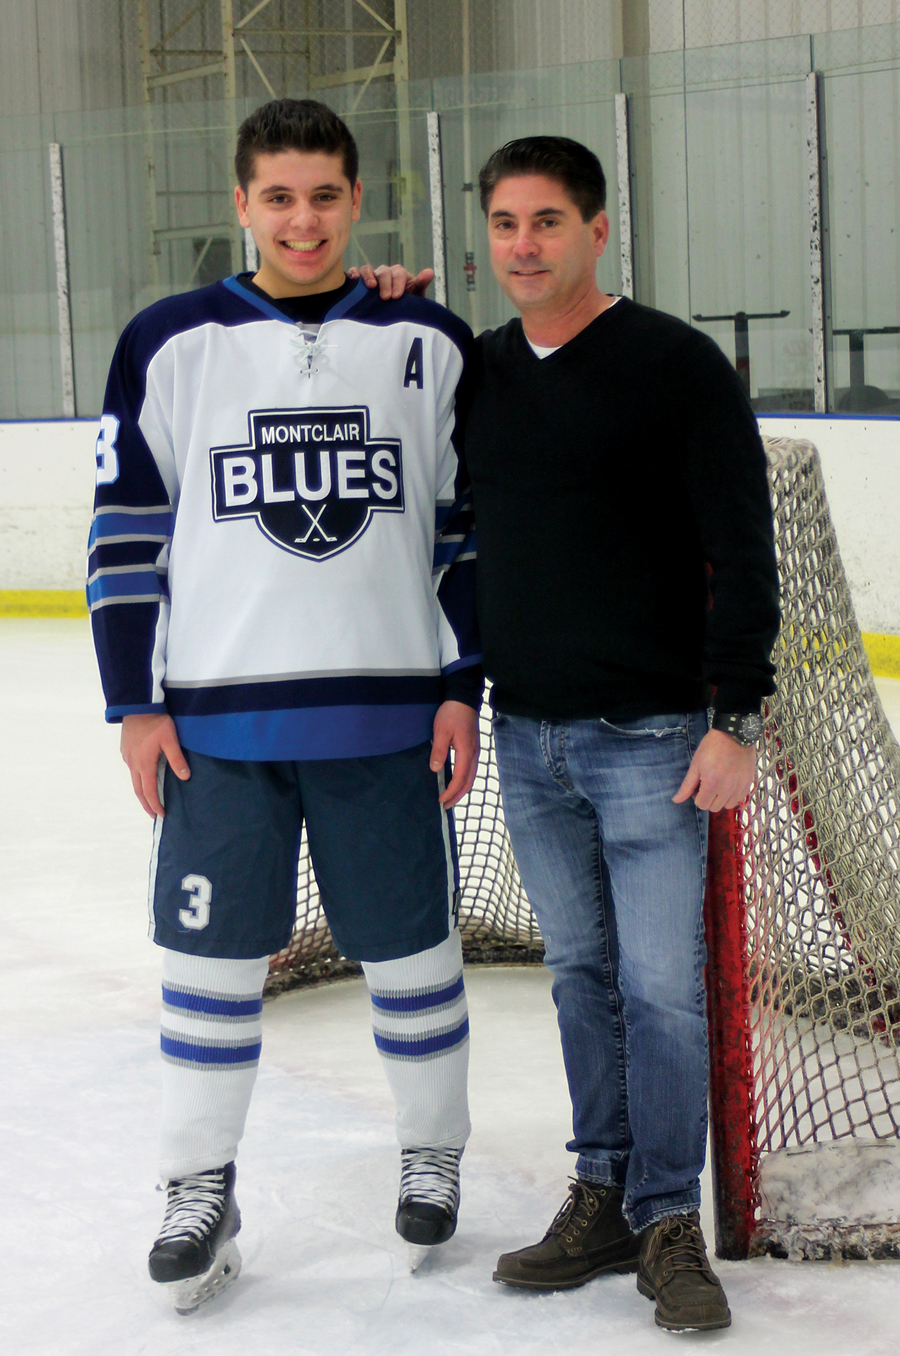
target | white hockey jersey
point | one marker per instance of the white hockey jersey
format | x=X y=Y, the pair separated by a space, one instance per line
x=281 y=555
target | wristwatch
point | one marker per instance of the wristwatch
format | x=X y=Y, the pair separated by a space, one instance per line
x=746 y=729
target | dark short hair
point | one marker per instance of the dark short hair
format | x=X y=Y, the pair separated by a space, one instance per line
x=559 y=158
x=293 y=125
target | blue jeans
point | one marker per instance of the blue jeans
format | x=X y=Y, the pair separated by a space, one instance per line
x=615 y=873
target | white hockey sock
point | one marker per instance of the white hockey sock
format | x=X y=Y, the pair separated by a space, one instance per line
x=210 y=1042
x=421 y=1025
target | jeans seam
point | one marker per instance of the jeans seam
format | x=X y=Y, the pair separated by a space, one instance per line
x=613 y=984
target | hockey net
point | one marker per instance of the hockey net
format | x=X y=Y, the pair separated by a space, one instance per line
x=818 y=851
x=810 y=1018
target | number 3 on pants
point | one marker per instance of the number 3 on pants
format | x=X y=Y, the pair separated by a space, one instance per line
x=196 y=915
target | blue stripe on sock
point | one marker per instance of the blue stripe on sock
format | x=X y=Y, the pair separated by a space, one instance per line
x=209 y=1054
x=427 y=1045
x=219 y=1007
x=418 y=1002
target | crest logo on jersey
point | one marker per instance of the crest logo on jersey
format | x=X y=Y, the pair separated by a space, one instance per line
x=311 y=478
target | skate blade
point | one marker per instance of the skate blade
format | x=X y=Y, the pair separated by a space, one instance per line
x=418 y=1255
x=196 y=1290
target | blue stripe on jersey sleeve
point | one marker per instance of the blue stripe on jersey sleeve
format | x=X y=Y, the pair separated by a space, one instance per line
x=143 y=584
x=452 y=547
x=133 y=526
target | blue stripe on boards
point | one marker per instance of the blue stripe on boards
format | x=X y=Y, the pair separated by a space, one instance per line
x=209 y=1054
x=425 y=1045
x=202 y=1002
x=418 y=1002
x=131 y=525
x=317 y=732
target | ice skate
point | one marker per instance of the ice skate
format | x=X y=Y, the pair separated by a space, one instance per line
x=195 y=1256
x=429 y=1199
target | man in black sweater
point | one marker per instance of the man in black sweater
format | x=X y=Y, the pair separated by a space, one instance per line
x=626 y=584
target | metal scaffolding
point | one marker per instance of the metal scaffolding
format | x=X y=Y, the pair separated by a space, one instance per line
x=272 y=49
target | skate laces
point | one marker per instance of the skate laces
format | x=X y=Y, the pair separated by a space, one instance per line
x=196 y=1204
x=430 y=1176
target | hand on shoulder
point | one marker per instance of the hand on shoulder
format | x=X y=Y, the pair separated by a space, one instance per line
x=393 y=280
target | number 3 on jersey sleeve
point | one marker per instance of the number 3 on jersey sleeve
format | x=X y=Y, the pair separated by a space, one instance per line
x=107 y=456
x=196 y=915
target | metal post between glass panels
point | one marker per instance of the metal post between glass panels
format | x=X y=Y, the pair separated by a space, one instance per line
x=817 y=252
x=436 y=182
x=66 y=360
x=251 y=253
x=623 y=172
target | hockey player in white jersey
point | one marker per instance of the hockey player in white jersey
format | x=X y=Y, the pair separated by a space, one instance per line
x=282 y=597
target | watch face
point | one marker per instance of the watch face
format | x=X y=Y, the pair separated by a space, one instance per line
x=750 y=729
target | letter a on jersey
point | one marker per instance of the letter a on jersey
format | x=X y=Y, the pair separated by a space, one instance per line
x=311 y=478
x=415 y=365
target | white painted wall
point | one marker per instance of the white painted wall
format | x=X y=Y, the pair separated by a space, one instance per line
x=46 y=495
x=861 y=464
x=47 y=477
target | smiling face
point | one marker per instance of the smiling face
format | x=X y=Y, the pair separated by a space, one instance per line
x=542 y=252
x=300 y=206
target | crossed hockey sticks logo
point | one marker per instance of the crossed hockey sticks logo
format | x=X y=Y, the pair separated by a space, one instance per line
x=312 y=478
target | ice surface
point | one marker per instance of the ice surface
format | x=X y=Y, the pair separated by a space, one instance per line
x=324 y=1272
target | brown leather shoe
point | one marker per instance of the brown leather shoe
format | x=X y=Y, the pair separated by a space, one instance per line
x=588 y=1237
x=674 y=1270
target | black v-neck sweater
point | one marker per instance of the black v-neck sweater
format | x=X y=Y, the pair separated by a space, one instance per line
x=625 y=549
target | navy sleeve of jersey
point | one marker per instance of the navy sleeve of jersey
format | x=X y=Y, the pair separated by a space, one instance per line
x=129 y=540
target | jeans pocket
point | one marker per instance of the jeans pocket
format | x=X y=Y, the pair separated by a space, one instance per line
x=660 y=727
